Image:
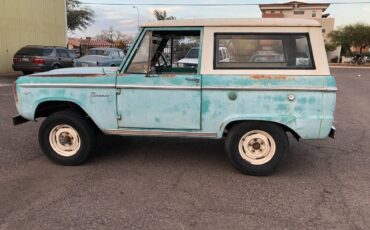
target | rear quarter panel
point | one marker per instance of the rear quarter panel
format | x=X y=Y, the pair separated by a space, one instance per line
x=263 y=97
x=310 y=114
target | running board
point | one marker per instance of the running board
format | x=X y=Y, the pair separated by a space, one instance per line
x=159 y=133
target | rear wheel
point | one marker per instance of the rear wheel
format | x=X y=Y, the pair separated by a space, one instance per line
x=56 y=66
x=256 y=148
x=67 y=138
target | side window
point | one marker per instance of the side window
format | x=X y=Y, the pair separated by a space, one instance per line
x=274 y=51
x=140 y=61
x=115 y=54
x=62 y=53
x=167 y=52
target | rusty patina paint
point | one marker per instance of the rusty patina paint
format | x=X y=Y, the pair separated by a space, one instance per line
x=168 y=75
x=269 y=77
x=122 y=75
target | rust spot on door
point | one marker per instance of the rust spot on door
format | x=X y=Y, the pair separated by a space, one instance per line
x=168 y=75
x=269 y=77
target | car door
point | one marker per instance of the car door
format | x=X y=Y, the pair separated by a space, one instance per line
x=148 y=100
x=115 y=58
x=63 y=58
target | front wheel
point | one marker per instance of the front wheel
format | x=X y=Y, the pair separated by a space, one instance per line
x=256 y=148
x=67 y=138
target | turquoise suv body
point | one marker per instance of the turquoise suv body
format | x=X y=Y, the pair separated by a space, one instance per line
x=252 y=99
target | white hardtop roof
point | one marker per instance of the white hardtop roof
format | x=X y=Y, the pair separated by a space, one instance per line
x=236 y=22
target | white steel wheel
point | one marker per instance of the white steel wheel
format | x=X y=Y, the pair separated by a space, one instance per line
x=257 y=147
x=65 y=140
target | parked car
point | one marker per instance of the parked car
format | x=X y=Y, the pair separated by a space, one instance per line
x=74 y=53
x=101 y=57
x=30 y=59
x=253 y=105
x=191 y=57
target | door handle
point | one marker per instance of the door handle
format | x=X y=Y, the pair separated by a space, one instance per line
x=196 y=80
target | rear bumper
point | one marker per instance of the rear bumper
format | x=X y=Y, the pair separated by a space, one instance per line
x=35 y=68
x=17 y=120
x=332 y=132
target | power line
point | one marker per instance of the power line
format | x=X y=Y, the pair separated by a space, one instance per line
x=202 y=4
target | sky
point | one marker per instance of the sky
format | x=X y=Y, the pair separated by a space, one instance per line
x=125 y=18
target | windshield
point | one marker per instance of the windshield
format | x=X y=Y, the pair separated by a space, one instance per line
x=34 y=51
x=193 y=53
x=98 y=52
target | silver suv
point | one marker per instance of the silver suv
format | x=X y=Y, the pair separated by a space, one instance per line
x=30 y=59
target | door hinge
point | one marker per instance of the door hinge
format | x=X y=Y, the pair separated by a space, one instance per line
x=118 y=91
x=119 y=117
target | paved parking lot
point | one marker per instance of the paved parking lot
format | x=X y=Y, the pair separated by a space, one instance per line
x=162 y=183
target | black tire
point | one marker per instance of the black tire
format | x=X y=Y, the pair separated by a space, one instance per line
x=27 y=72
x=81 y=124
x=56 y=66
x=239 y=160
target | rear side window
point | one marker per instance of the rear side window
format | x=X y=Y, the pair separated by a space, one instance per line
x=98 y=52
x=263 y=51
x=34 y=52
x=63 y=53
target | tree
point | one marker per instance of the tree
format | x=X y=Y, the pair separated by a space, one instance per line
x=162 y=15
x=120 y=40
x=78 y=17
x=107 y=35
x=355 y=35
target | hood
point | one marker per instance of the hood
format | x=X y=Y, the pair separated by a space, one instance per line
x=78 y=71
x=188 y=61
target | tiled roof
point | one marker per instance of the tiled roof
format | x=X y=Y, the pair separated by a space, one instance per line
x=89 y=42
x=96 y=43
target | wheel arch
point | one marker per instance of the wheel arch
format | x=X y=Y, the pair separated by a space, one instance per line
x=48 y=107
x=227 y=126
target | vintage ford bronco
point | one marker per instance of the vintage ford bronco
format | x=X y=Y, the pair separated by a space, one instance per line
x=250 y=81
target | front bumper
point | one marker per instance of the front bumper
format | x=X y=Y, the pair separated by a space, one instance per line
x=17 y=120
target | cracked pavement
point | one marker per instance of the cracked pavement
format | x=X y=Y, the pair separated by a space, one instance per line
x=170 y=183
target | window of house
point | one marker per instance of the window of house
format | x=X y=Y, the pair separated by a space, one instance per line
x=253 y=51
x=314 y=13
x=298 y=12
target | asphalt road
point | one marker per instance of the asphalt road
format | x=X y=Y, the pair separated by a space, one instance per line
x=169 y=183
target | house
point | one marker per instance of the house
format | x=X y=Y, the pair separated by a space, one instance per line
x=36 y=22
x=85 y=44
x=296 y=9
